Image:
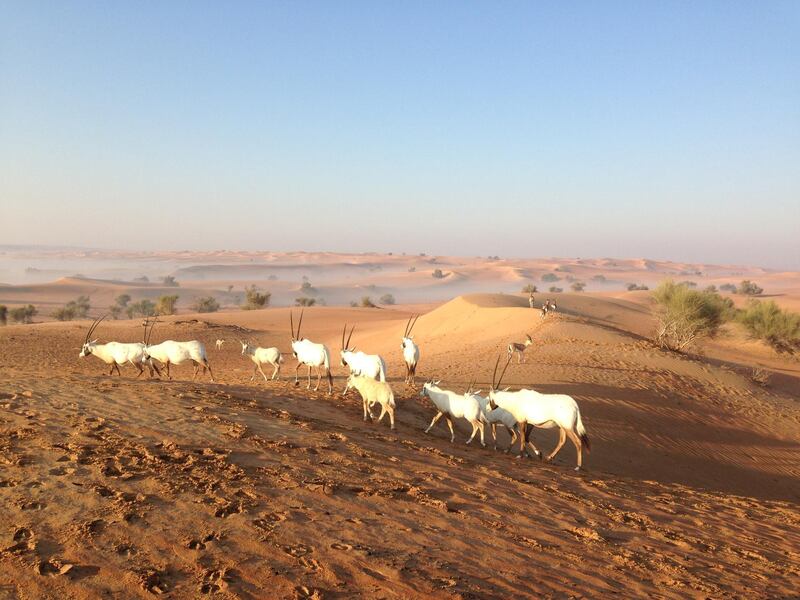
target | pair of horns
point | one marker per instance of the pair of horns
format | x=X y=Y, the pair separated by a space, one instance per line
x=92 y=327
x=410 y=325
x=346 y=345
x=295 y=336
x=149 y=334
x=496 y=385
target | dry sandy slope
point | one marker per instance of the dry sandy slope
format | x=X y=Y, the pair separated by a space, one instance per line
x=236 y=488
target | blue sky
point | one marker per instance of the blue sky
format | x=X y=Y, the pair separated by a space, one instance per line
x=665 y=130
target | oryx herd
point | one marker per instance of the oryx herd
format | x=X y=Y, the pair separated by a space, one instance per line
x=519 y=412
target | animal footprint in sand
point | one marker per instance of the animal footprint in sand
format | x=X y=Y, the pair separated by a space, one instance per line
x=23 y=538
x=297 y=551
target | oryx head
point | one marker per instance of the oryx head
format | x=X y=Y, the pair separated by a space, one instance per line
x=426 y=388
x=407 y=337
x=346 y=349
x=245 y=346
x=88 y=346
x=295 y=334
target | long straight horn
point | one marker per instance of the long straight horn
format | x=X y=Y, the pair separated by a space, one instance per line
x=300 y=323
x=291 y=323
x=344 y=330
x=494 y=374
x=502 y=374
x=410 y=329
x=349 y=337
x=150 y=333
x=405 y=332
x=94 y=326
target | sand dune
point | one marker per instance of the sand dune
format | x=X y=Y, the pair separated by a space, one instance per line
x=124 y=486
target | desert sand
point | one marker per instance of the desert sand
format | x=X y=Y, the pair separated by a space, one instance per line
x=126 y=487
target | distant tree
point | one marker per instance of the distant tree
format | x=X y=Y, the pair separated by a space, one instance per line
x=206 y=304
x=142 y=279
x=169 y=281
x=122 y=300
x=366 y=302
x=23 y=314
x=115 y=311
x=748 y=288
x=529 y=289
x=74 y=309
x=728 y=287
x=556 y=290
x=305 y=301
x=166 y=304
x=711 y=288
x=306 y=287
x=550 y=277
x=600 y=278
x=387 y=299
x=437 y=274
x=3 y=314
x=254 y=299
x=578 y=286
x=142 y=308
x=632 y=287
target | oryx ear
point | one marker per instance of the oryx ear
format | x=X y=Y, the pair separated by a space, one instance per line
x=95 y=341
x=478 y=392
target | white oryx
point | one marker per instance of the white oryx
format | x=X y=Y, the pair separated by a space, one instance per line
x=310 y=354
x=116 y=353
x=495 y=417
x=373 y=392
x=529 y=407
x=359 y=363
x=261 y=356
x=410 y=352
x=219 y=343
x=519 y=348
x=171 y=352
x=452 y=405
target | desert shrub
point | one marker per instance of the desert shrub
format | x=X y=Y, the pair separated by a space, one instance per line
x=142 y=308
x=529 y=289
x=633 y=287
x=760 y=376
x=166 y=304
x=366 y=302
x=122 y=300
x=255 y=299
x=767 y=321
x=600 y=278
x=142 y=279
x=686 y=316
x=306 y=287
x=303 y=301
x=206 y=304
x=712 y=289
x=578 y=286
x=120 y=304
x=437 y=274
x=169 y=281
x=353 y=303
x=748 y=288
x=74 y=309
x=728 y=287
x=556 y=290
x=550 y=277
x=3 y=314
x=387 y=299
x=115 y=311
x=23 y=314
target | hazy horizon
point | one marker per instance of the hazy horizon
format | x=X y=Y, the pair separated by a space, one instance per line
x=667 y=132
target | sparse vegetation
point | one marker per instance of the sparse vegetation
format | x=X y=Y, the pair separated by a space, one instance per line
x=23 y=314
x=206 y=304
x=555 y=290
x=142 y=308
x=749 y=288
x=169 y=281
x=304 y=301
x=142 y=279
x=166 y=304
x=711 y=289
x=254 y=299
x=529 y=289
x=437 y=274
x=728 y=287
x=578 y=286
x=120 y=304
x=3 y=314
x=306 y=287
x=74 y=309
x=366 y=302
x=387 y=299
x=760 y=376
x=600 y=278
x=767 y=321
x=634 y=287
x=550 y=277
x=686 y=316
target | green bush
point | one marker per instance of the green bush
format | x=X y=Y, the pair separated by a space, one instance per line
x=255 y=300
x=75 y=309
x=748 y=288
x=206 y=304
x=166 y=304
x=578 y=286
x=686 y=316
x=366 y=302
x=387 y=299
x=23 y=314
x=633 y=287
x=550 y=277
x=437 y=274
x=303 y=301
x=766 y=320
x=142 y=308
x=169 y=281
x=728 y=287
x=529 y=289
x=556 y=290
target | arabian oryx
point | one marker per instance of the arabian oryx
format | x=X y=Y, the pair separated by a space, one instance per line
x=359 y=363
x=410 y=351
x=116 y=353
x=174 y=353
x=310 y=354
